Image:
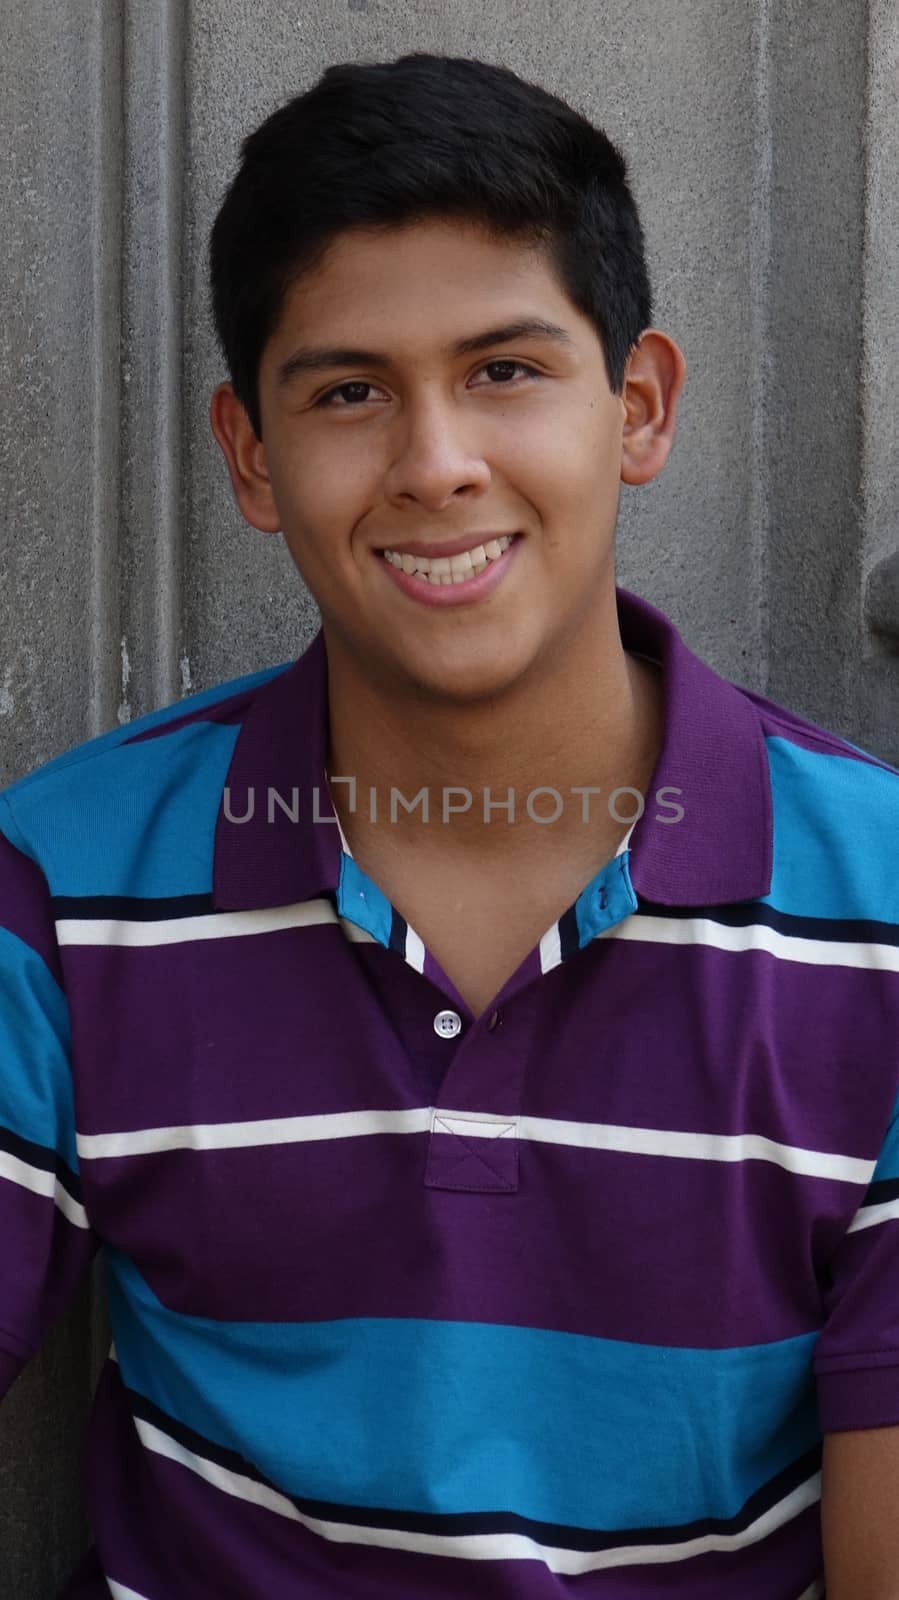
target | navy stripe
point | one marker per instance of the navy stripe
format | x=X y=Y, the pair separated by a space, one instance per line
x=885 y=1189
x=398 y=930
x=130 y=908
x=569 y=934
x=834 y=930
x=487 y=1522
x=751 y=913
x=37 y=1155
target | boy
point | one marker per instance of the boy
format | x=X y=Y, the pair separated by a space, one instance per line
x=473 y=1043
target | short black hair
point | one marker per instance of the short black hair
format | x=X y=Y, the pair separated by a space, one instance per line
x=382 y=145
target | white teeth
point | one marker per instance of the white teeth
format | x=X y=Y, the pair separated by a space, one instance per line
x=443 y=570
x=462 y=563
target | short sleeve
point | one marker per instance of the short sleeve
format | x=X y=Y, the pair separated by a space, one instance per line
x=47 y=1240
x=856 y=1361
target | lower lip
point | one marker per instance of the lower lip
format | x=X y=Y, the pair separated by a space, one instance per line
x=453 y=594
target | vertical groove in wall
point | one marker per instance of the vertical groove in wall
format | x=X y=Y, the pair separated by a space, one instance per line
x=876 y=683
x=172 y=126
x=880 y=289
x=105 y=470
x=155 y=122
x=106 y=257
x=760 y=256
x=865 y=397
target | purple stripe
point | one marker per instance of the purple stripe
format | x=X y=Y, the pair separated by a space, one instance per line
x=701 y=1040
x=864 y=1399
x=296 y=1022
x=162 y=1530
x=25 y=902
x=593 y=1242
x=857 y=1356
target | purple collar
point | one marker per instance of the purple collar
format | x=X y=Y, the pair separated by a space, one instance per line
x=713 y=751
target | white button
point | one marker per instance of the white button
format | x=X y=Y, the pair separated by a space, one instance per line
x=447 y=1024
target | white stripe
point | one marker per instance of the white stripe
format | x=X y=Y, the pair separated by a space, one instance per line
x=636 y=927
x=41 y=1182
x=235 y=1135
x=697 y=1147
x=119 y=1592
x=540 y=1130
x=814 y=1591
x=757 y=936
x=180 y=930
x=415 y=950
x=550 y=949
x=479 y=1547
x=869 y=1216
x=343 y=841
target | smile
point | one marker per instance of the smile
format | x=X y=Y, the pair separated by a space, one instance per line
x=443 y=571
x=466 y=579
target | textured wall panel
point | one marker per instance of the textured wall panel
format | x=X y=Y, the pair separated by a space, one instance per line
x=59 y=464
x=763 y=144
x=875 y=677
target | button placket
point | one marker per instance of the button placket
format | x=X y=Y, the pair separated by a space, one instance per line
x=474 y=1143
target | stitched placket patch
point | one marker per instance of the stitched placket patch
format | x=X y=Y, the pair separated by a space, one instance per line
x=472 y=1151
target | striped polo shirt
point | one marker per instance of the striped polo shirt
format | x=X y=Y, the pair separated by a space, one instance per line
x=558 y=1300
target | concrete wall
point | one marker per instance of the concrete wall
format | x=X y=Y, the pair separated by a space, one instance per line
x=764 y=145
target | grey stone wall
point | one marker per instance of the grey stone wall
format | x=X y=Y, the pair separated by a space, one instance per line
x=764 y=145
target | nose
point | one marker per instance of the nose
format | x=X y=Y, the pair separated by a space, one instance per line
x=436 y=454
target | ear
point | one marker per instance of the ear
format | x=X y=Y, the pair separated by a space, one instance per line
x=653 y=379
x=245 y=457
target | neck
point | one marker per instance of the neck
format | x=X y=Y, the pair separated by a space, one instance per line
x=590 y=719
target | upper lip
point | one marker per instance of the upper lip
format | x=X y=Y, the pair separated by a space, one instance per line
x=453 y=547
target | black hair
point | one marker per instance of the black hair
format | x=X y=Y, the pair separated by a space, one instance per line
x=389 y=144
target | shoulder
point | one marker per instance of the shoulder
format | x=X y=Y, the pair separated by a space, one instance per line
x=78 y=813
x=835 y=821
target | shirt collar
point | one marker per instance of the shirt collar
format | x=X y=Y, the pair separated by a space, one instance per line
x=712 y=752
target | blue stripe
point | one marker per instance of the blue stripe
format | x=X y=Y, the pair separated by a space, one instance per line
x=430 y=1416
x=607 y=899
x=36 y=1099
x=888 y=1160
x=835 y=824
x=835 y=832
x=361 y=901
x=141 y=821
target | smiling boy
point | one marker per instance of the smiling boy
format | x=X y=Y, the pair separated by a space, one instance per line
x=516 y=678
x=473 y=1042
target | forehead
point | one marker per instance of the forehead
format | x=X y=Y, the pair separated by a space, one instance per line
x=429 y=277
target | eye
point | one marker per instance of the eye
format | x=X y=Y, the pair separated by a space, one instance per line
x=326 y=400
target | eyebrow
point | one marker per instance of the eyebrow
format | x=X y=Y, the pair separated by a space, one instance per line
x=309 y=359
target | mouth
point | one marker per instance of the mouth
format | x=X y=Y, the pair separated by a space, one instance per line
x=480 y=573
x=454 y=570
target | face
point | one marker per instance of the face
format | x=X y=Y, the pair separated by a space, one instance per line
x=422 y=445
